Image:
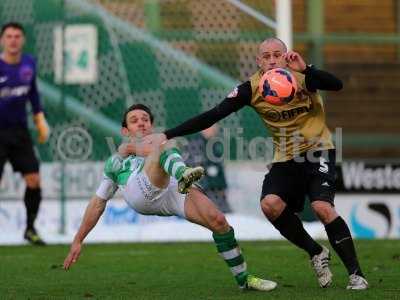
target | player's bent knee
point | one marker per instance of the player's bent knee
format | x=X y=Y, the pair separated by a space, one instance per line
x=32 y=180
x=272 y=206
x=221 y=221
x=218 y=222
x=324 y=211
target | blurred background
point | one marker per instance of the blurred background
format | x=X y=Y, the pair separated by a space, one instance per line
x=181 y=58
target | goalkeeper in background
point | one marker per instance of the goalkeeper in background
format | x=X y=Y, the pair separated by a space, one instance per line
x=17 y=87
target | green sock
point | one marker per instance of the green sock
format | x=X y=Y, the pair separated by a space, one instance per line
x=229 y=249
x=172 y=163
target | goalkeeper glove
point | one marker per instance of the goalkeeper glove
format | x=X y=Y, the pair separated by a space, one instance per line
x=42 y=127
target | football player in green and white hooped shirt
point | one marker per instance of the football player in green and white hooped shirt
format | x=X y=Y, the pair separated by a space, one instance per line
x=159 y=183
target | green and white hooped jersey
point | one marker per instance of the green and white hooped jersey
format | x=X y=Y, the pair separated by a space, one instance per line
x=117 y=171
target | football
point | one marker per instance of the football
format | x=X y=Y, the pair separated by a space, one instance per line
x=278 y=86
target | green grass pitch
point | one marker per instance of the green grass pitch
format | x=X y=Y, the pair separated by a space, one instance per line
x=187 y=271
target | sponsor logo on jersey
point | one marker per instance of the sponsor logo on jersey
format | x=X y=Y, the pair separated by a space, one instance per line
x=17 y=91
x=275 y=116
x=291 y=113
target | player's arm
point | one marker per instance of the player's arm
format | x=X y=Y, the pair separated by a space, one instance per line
x=38 y=115
x=315 y=79
x=93 y=212
x=235 y=101
x=321 y=80
x=42 y=127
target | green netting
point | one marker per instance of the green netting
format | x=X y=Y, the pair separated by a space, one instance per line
x=179 y=57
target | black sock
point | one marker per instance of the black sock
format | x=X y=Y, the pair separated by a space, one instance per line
x=32 y=201
x=290 y=226
x=340 y=238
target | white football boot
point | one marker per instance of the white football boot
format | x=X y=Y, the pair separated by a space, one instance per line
x=189 y=176
x=320 y=264
x=357 y=282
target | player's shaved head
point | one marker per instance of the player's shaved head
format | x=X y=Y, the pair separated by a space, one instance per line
x=270 y=41
x=270 y=54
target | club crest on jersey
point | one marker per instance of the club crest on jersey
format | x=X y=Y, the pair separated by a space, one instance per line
x=26 y=74
x=303 y=95
x=234 y=93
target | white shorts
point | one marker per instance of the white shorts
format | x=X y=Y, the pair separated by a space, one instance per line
x=147 y=199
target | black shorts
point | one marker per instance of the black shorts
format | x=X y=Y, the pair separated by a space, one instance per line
x=16 y=146
x=293 y=180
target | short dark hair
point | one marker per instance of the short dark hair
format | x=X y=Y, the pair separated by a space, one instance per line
x=11 y=25
x=134 y=107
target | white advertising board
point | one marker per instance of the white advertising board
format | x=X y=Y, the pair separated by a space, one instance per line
x=120 y=223
x=368 y=215
x=371 y=216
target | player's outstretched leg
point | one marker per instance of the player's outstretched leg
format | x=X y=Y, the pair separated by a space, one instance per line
x=172 y=163
x=200 y=210
x=229 y=250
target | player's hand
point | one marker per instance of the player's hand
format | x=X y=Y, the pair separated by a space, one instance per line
x=125 y=149
x=136 y=147
x=295 y=61
x=73 y=255
x=42 y=127
x=155 y=139
x=210 y=132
